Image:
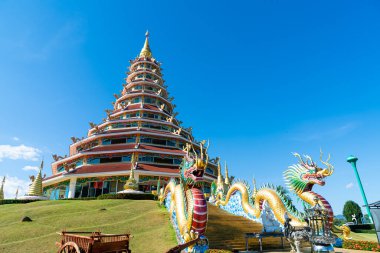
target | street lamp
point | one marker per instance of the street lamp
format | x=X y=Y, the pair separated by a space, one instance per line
x=352 y=160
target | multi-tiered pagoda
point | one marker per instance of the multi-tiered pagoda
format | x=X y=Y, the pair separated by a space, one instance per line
x=140 y=132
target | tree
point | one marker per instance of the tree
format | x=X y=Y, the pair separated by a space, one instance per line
x=350 y=208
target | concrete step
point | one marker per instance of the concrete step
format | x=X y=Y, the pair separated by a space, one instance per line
x=227 y=231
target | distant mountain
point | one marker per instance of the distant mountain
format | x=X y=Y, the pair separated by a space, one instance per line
x=340 y=217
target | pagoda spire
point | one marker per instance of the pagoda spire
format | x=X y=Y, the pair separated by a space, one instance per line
x=227 y=179
x=145 y=51
x=35 y=188
x=2 y=189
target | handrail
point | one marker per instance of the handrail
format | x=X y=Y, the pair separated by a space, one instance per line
x=180 y=247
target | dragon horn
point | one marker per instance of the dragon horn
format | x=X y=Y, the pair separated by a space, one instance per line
x=330 y=168
x=308 y=158
x=299 y=157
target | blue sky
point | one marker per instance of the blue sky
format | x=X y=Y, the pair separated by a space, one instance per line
x=260 y=79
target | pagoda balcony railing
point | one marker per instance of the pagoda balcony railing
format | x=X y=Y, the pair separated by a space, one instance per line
x=149 y=81
x=137 y=72
x=137 y=82
x=125 y=96
x=137 y=130
x=135 y=62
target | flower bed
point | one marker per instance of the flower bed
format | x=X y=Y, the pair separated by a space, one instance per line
x=361 y=245
x=218 y=251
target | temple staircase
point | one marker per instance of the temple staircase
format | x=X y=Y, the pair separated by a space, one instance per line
x=227 y=231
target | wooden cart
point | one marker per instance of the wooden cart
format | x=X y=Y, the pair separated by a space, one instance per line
x=93 y=242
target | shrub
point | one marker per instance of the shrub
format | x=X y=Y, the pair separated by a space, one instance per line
x=16 y=201
x=142 y=196
x=361 y=245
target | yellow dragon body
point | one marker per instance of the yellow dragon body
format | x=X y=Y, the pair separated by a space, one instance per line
x=300 y=178
x=187 y=199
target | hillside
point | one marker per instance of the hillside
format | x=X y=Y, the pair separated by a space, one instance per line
x=144 y=219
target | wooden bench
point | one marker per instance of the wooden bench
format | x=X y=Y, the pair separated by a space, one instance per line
x=262 y=235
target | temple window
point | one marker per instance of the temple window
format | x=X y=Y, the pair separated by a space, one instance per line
x=93 y=160
x=209 y=171
x=118 y=141
x=150 y=100
x=106 y=141
x=78 y=163
x=140 y=76
x=170 y=143
x=131 y=139
x=126 y=158
x=149 y=76
x=116 y=159
x=138 y=87
x=60 y=168
x=151 y=116
x=96 y=188
x=145 y=158
x=136 y=100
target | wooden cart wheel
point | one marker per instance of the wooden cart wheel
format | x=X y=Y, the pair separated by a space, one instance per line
x=69 y=247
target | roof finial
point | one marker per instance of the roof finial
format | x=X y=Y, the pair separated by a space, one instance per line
x=145 y=51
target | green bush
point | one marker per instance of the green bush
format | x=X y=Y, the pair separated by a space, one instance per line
x=142 y=196
x=16 y=201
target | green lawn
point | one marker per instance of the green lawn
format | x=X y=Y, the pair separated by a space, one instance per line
x=144 y=219
x=363 y=237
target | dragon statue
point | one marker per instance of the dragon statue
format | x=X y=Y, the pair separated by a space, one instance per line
x=186 y=198
x=300 y=178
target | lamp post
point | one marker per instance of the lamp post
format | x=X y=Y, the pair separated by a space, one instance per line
x=352 y=160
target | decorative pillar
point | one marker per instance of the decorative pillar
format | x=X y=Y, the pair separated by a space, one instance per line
x=73 y=182
x=352 y=160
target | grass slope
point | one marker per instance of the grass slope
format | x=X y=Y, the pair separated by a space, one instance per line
x=148 y=223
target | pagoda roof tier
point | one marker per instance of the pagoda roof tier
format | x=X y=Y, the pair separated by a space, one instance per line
x=144 y=60
x=142 y=130
x=155 y=168
x=140 y=71
x=124 y=167
x=101 y=168
x=140 y=119
x=132 y=148
x=131 y=133
x=137 y=94
x=143 y=82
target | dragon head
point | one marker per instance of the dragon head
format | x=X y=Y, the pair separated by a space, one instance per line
x=193 y=165
x=303 y=176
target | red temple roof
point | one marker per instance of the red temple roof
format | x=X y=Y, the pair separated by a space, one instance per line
x=107 y=167
x=155 y=168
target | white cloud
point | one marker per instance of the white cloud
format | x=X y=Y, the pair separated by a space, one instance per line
x=332 y=133
x=15 y=138
x=349 y=185
x=28 y=167
x=19 y=152
x=11 y=184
